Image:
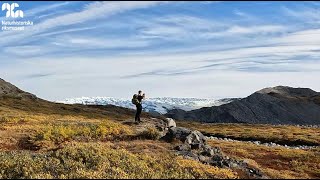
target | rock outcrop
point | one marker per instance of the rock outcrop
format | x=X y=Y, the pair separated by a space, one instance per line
x=194 y=146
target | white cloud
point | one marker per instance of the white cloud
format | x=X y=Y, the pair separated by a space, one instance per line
x=256 y=29
x=24 y=51
x=101 y=77
x=221 y=56
x=304 y=37
x=245 y=16
x=176 y=27
x=307 y=14
x=211 y=73
x=64 y=31
x=93 y=11
x=41 y=9
x=96 y=43
x=182 y=27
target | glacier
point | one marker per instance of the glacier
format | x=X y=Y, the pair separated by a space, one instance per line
x=159 y=104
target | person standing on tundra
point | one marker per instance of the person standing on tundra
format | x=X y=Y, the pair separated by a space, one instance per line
x=137 y=100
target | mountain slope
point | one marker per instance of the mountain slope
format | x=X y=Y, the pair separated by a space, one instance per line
x=277 y=105
x=12 y=97
x=9 y=90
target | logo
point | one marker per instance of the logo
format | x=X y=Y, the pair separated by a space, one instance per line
x=10 y=10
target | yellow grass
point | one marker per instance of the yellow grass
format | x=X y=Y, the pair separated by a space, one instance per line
x=100 y=160
x=276 y=162
x=281 y=134
x=87 y=143
x=91 y=142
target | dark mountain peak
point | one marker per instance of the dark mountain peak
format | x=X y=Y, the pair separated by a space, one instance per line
x=287 y=91
x=9 y=90
x=273 y=105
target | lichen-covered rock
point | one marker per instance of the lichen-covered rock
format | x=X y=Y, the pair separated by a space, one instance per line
x=183 y=147
x=178 y=133
x=210 y=151
x=204 y=159
x=195 y=138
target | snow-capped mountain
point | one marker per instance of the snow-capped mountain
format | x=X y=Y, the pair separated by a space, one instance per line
x=160 y=105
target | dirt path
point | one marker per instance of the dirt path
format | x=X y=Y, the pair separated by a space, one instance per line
x=145 y=124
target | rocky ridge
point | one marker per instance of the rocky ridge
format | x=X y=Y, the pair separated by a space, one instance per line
x=276 y=105
x=193 y=145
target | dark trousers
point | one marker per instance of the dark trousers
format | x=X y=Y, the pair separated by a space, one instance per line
x=138 y=113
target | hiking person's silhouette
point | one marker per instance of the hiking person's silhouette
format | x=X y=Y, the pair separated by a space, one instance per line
x=137 y=100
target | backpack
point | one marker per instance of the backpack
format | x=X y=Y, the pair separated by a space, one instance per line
x=135 y=100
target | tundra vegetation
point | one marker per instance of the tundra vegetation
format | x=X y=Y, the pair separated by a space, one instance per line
x=40 y=139
x=47 y=144
x=276 y=162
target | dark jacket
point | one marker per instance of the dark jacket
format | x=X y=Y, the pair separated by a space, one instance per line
x=140 y=98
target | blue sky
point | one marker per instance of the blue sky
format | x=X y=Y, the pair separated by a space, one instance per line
x=174 y=49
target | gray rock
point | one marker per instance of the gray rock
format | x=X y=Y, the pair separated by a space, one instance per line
x=256 y=142
x=254 y=172
x=170 y=123
x=204 y=159
x=217 y=158
x=217 y=150
x=195 y=138
x=245 y=162
x=183 y=147
x=209 y=151
x=188 y=155
x=224 y=161
x=233 y=164
x=195 y=146
x=178 y=133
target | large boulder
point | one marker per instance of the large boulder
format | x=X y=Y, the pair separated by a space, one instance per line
x=189 y=137
x=196 y=139
x=178 y=133
x=210 y=151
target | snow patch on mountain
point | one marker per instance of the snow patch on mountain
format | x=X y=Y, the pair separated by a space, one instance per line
x=160 y=105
